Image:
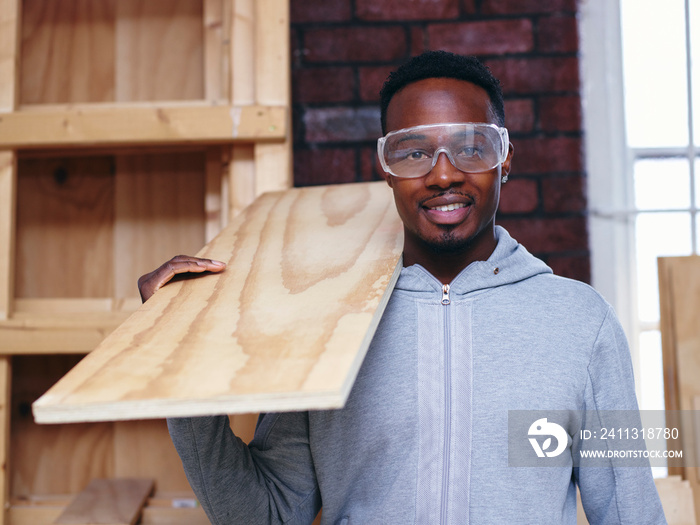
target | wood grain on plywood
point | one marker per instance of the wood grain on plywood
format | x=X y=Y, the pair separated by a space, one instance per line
x=285 y=326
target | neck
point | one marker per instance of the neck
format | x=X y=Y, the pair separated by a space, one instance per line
x=446 y=264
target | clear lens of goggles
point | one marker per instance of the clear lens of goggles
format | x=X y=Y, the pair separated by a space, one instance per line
x=471 y=147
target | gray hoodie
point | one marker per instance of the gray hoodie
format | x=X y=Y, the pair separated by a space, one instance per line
x=423 y=437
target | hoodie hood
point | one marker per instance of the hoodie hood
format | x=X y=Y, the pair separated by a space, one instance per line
x=510 y=262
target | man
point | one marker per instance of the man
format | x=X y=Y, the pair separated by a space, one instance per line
x=476 y=327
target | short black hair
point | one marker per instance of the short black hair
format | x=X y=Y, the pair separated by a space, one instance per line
x=442 y=64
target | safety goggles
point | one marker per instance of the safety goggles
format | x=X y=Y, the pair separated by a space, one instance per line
x=470 y=147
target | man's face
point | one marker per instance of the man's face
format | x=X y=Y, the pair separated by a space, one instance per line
x=446 y=210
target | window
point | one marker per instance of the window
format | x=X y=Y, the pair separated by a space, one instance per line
x=641 y=95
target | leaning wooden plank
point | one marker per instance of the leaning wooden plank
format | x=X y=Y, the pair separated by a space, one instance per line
x=139 y=124
x=108 y=501
x=285 y=327
x=679 y=294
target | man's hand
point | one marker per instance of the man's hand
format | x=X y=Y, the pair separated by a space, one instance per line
x=151 y=282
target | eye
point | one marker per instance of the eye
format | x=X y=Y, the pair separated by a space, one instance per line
x=470 y=151
x=417 y=155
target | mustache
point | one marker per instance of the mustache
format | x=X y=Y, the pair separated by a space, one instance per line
x=467 y=196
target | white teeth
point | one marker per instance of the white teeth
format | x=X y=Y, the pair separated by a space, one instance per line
x=450 y=207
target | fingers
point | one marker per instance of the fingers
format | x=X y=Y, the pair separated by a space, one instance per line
x=151 y=282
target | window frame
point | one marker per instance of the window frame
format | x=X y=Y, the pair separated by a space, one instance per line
x=610 y=228
x=611 y=209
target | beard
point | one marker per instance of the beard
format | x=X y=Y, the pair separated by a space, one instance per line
x=447 y=243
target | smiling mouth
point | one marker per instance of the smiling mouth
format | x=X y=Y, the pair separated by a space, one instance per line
x=449 y=207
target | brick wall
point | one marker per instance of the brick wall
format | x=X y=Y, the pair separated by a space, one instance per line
x=344 y=49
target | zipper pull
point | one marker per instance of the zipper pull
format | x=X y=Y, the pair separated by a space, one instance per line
x=445 y=294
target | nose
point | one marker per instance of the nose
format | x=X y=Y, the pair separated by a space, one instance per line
x=444 y=174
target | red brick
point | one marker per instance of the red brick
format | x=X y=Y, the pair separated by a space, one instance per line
x=512 y=7
x=560 y=113
x=370 y=168
x=557 y=34
x=536 y=75
x=520 y=115
x=547 y=155
x=563 y=194
x=573 y=266
x=468 y=7
x=371 y=81
x=406 y=9
x=343 y=124
x=418 y=40
x=519 y=196
x=324 y=166
x=355 y=44
x=320 y=11
x=323 y=84
x=491 y=37
x=551 y=235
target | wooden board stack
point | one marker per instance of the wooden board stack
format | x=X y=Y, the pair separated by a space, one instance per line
x=284 y=327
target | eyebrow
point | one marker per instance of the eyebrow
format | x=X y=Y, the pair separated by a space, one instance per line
x=413 y=136
x=456 y=135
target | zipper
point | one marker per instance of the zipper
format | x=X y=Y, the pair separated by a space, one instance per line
x=445 y=294
x=448 y=407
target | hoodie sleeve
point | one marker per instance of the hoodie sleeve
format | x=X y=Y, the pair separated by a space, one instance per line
x=615 y=494
x=271 y=480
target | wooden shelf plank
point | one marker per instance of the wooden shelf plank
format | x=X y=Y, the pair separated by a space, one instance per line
x=285 y=327
x=31 y=515
x=108 y=501
x=139 y=124
x=49 y=326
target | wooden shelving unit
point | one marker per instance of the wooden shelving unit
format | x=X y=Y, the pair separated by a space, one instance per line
x=130 y=131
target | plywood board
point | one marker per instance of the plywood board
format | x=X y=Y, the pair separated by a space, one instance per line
x=285 y=327
x=108 y=502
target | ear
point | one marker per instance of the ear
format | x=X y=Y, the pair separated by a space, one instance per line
x=388 y=178
x=505 y=167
